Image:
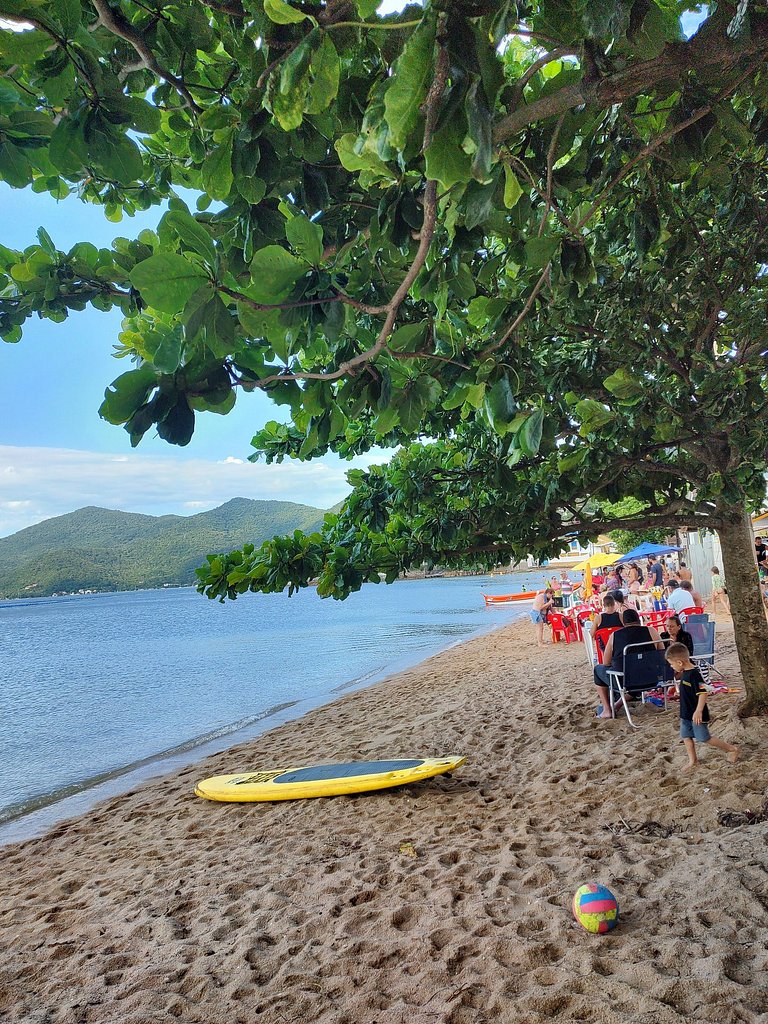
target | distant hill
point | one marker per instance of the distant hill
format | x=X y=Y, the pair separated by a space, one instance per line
x=105 y=549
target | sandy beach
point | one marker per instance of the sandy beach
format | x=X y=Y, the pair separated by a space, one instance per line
x=447 y=902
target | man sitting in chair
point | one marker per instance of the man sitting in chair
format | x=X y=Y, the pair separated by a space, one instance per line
x=613 y=657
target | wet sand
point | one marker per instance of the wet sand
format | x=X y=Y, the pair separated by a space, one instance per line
x=446 y=902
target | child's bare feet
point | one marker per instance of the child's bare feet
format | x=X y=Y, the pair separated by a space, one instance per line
x=689 y=767
x=733 y=755
x=604 y=715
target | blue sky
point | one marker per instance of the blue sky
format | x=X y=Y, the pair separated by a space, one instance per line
x=57 y=454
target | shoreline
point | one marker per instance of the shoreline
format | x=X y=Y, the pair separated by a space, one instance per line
x=444 y=902
x=80 y=798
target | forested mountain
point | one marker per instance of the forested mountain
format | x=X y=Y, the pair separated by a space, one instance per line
x=105 y=549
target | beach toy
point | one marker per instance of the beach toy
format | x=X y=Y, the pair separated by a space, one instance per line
x=595 y=908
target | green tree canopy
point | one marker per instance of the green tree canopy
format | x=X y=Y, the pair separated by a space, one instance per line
x=530 y=232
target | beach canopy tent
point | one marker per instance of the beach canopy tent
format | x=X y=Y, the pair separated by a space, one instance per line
x=645 y=549
x=595 y=561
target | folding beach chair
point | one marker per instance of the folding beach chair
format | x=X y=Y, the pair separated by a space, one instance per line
x=702 y=629
x=643 y=671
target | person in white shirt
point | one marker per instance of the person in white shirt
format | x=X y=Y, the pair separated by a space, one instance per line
x=679 y=600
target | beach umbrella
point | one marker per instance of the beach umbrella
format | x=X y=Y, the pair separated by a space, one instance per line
x=587 y=579
x=596 y=561
x=645 y=549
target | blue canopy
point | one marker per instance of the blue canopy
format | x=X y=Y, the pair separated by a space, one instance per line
x=645 y=549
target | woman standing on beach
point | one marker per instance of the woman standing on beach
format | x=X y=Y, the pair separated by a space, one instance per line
x=719 y=591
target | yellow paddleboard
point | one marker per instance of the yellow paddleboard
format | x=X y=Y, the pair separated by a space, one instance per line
x=323 y=779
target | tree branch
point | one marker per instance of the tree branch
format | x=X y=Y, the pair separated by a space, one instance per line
x=710 y=49
x=119 y=26
x=430 y=109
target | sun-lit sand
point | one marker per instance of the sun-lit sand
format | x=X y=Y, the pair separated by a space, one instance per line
x=444 y=903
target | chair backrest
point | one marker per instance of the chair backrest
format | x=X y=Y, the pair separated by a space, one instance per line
x=559 y=621
x=601 y=639
x=644 y=667
x=703 y=634
x=688 y=612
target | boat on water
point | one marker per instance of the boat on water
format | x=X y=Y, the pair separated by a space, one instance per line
x=527 y=595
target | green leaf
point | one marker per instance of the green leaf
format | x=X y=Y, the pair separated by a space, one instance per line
x=68 y=13
x=325 y=70
x=540 y=251
x=273 y=272
x=305 y=238
x=193 y=234
x=572 y=459
x=365 y=161
x=417 y=396
x=24 y=47
x=409 y=83
x=512 y=189
x=480 y=139
x=366 y=8
x=251 y=189
x=116 y=156
x=624 y=384
x=14 y=166
x=478 y=204
x=646 y=227
x=68 y=149
x=446 y=161
x=529 y=435
x=408 y=337
x=500 y=405
x=124 y=395
x=593 y=415
x=167 y=355
x=46 y=242
x=288 y=107
x=167 y=280
x=282 y=13
x=217 y=169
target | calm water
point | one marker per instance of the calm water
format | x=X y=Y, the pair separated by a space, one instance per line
x=91 y=686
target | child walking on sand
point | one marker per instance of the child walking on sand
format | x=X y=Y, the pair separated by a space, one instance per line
x=694 y=713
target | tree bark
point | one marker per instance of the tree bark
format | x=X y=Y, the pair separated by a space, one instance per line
x=750 y=625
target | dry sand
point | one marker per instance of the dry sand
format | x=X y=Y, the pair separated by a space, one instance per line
x=447 y=902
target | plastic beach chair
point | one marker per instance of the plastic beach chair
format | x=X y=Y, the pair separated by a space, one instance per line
x=643 y=670
x=562 y=626
x=601 y=639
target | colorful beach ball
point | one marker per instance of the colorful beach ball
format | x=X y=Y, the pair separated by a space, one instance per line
x=595 y=908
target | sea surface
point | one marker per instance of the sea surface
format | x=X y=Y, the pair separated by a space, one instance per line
x=98 y=687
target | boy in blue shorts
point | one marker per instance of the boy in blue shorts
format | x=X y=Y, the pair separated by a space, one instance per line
x=694 y=713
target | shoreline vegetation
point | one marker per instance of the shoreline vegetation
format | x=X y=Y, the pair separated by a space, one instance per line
x=447 y=901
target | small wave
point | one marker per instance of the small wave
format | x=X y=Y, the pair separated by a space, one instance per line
x=36 y=803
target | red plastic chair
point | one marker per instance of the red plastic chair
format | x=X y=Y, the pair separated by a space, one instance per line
x=601 y=640
x=656 y=619
x=562 y=625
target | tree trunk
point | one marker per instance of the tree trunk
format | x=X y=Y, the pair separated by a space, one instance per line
x=750 y=625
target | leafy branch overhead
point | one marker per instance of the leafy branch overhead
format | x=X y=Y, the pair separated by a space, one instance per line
x=381 y=201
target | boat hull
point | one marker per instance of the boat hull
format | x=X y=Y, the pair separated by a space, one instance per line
x=509 y=598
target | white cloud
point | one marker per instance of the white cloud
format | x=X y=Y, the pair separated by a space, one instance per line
x=38 y=483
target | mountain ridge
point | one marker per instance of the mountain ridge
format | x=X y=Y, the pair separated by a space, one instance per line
x=94 y=548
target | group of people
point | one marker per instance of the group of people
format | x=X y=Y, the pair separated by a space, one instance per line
x=620 y=586
x=691 y=686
